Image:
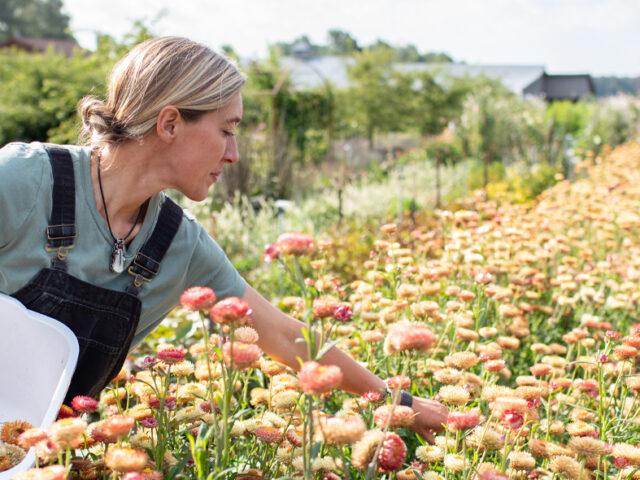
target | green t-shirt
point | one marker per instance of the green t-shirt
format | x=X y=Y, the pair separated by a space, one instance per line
x=193 y=258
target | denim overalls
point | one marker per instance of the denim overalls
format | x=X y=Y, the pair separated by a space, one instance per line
x=103 y=320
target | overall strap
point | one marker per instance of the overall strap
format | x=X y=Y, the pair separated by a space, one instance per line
x=146 y=264
x=61 y=231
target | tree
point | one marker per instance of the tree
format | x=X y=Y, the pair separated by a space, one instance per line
x=33 y=18
x=342 y=43
x=379 y=98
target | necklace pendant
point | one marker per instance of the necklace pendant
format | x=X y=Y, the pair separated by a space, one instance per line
x=117 y=256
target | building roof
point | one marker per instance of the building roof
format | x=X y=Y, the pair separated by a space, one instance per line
x=33 y=44
x=562 y=87
x=314 y=72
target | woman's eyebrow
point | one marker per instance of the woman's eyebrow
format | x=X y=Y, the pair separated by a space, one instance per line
x=235 y=120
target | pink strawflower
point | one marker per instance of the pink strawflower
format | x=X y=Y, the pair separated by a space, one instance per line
x=294 y=243
x=149 y=422
x=492 y=475
x=457 y=421
x=317 y=379
x=118 y=425
x=342 y=313
x=66 y=412
x=268 y=434
x=403 y=337
x=483 y=277
x=324 y=307
x=399 y=381
x=374 y=396
x=171 y=355
x=540 y=369
x=198 y=298
x=244 y=354
x=84 y=404
x=99 y=436
x=388 y=228
x=512 y=419
x=231 y=311
x=393 y=452
x=144 y=475
x=270 y=253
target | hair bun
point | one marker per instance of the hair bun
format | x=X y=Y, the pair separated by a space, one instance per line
x=98 y=123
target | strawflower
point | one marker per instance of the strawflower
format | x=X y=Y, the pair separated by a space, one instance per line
x=317 y=379
x=198 y=298
x=231 y=311
x=294 y=243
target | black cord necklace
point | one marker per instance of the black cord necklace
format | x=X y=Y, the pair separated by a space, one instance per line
x=118 y=250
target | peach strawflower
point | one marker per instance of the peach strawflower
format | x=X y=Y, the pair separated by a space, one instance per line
x=485 y=438
x=123 y=459
x=340 y=430
x=461 y=360
x=118 y=425
x=31 y=437
x=294 y=243
x=429 y=453
x=454 y=462
x=388 y=228
x=409 y=336
x=521 y=461
x=401 y=416
x=317 y=379
x=448 y=376
x=246 y=335
x=52 y=472
x=231 y=311
x=12 y=430
x=64 y=432
x=365 y=448
x=587 y=446
x=627 y=451
x=454 y=395
x=198 y=298
x=566 y=466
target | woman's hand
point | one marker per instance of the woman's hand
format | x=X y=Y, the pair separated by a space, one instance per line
x=431 y=416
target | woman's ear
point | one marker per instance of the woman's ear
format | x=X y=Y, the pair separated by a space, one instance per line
x=169 y=120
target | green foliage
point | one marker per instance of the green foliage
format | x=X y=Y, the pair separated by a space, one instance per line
x=380 y=95
x=569 y=117
x=33 y=18
x=39 y=93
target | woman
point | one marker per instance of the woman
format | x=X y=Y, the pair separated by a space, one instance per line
x=89 y=238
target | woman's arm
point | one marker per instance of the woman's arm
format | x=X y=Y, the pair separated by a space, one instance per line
x=278 y=333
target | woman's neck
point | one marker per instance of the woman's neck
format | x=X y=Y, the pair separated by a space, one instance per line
x=125 y=183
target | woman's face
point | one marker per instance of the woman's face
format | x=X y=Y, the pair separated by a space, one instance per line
x=205 y=146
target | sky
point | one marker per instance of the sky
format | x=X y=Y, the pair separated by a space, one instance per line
x=599 y=37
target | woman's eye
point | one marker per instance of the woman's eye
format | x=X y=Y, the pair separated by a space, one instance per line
x=228 y=133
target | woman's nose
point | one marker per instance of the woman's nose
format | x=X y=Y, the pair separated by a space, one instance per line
x=231 y=152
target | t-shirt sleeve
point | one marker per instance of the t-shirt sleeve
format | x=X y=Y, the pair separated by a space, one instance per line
x=22 y=170
x=210 y=267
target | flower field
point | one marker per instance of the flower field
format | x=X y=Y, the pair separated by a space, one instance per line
x=521 y=319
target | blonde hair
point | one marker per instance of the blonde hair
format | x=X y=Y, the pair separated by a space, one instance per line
x=157 y=73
